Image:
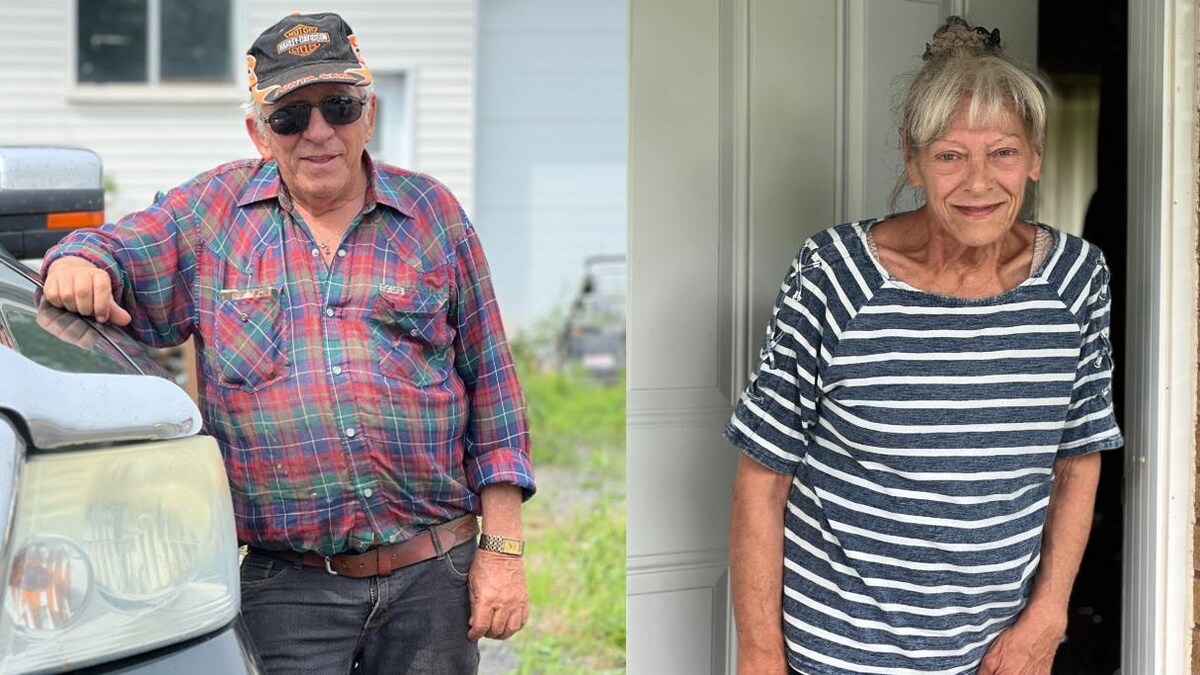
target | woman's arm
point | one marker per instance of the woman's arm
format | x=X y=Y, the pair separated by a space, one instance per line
x=756 y=566
x=1029 y=645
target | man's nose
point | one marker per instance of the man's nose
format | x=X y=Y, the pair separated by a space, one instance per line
x=317 y=128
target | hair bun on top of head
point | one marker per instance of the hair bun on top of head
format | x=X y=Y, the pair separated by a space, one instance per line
x=956 y=35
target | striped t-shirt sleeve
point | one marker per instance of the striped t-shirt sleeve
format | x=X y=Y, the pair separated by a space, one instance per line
x=1091 y=424
x=776 y=411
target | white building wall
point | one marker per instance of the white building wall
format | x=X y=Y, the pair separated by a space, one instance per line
x=152 y=138
x=552 y=147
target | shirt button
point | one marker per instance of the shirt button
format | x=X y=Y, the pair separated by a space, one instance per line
x=328 y=311
x=350 y=433
x=337 y=370
x=341 y=253
x=414 y=332
x=368 y=492
x=315 y=253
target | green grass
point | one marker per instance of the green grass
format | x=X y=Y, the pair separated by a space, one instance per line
x=570 y=417
x=575 y=526
x=577 y=592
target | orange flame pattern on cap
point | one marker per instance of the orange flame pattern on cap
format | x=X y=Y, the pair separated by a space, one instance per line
x=364 y=72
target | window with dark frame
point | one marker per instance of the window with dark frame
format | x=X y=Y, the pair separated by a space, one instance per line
x=153 y=41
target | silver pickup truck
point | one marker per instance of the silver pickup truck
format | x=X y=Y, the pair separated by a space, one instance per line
x=117 y=538
x=44 y=193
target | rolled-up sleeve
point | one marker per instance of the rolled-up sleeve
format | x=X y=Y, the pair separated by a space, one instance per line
x=150 y=257
x=497 y=441
x=776 y=411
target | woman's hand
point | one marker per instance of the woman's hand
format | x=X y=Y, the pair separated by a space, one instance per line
x=1027 y=647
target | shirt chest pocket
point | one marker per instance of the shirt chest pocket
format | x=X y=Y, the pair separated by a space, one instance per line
x=249 y=344
x=412 y=336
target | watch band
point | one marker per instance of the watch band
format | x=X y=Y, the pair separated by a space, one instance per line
x=505 y=545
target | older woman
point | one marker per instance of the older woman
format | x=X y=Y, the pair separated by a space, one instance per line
x=919 y=442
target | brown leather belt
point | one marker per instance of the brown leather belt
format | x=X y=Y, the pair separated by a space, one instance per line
x=382 y=560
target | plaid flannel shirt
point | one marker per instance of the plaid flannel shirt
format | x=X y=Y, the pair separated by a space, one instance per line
x=355 y=404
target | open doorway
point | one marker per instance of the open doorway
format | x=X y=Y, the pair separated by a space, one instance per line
x=1085 y=56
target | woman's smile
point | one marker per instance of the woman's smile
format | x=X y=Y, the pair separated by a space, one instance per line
x=979 y=212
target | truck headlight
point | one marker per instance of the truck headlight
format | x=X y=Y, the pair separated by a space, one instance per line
x=116 y=552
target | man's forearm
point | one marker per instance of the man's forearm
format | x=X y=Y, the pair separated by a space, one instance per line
x=1065 y=534
x=756 y=559
x=502 y=510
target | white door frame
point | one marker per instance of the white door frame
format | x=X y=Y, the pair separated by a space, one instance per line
x=1161 y=352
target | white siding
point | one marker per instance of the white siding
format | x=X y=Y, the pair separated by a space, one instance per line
x=552 y=138
x=153 y=139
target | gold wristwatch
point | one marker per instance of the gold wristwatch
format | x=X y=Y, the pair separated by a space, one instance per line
x=505 y=545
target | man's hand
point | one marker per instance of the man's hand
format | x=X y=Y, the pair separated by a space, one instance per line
x=77 y=285
x=1027 y=647
x=499 y=598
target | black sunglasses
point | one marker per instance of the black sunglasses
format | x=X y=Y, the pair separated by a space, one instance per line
x=337 y=110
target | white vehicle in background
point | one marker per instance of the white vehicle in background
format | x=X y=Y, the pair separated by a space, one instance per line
x=117 y=539
x=593 y=335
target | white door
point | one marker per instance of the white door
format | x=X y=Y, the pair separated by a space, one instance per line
x=753 y=124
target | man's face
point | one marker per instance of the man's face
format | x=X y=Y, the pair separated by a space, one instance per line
x=322 y=165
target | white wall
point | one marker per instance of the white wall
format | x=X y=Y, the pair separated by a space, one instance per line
x=154 y=138
x=551 y=146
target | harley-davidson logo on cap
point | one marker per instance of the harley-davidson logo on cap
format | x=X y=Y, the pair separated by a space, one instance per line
x=302 y=41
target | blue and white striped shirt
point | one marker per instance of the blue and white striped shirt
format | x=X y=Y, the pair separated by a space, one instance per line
x=921 y=433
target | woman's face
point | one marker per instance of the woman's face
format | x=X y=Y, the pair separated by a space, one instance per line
x=974 y=179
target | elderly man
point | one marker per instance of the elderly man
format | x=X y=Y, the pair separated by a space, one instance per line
x=353 y=368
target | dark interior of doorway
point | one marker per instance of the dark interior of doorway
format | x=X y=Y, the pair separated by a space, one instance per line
x=1085 y=44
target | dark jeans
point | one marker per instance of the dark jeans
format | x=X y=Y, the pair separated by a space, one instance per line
x=305 y=620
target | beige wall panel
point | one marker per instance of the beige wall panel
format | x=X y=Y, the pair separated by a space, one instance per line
x=793 y=157
x=674 y=171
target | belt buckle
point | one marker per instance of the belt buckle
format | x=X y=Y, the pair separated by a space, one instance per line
x=328 y=568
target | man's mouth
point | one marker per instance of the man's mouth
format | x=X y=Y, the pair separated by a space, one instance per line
x=320 y=160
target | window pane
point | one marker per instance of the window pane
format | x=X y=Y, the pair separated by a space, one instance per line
x=112 y=40
x=44 y=348
x=195 y=40
x=74 y=345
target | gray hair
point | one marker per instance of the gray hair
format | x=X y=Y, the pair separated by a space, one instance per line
x=993 y=86
x=252 y=107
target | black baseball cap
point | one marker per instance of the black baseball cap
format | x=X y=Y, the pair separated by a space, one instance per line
x=304 y=49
